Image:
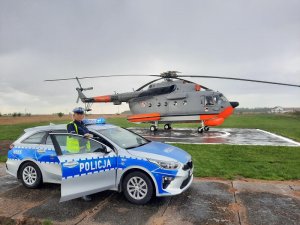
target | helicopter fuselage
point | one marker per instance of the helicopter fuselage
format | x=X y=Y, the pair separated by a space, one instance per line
x=173 y=101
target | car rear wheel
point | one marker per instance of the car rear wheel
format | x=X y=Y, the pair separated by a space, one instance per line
x=30 y=175
x=138 y=188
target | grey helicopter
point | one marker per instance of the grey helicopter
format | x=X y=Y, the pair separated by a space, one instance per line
x=173 y=100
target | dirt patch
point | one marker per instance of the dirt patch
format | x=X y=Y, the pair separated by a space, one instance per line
x=9 y=120
x=4 y=147
x=235 y=207
x=24 y=221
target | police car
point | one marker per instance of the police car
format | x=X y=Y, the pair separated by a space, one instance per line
x=116 y=159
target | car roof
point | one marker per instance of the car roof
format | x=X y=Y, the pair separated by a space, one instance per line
x=64 y=126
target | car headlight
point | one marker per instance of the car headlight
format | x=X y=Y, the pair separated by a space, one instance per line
x=170 y=165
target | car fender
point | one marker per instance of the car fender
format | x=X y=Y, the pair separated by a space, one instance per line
x=120 y=175
x=29 y=160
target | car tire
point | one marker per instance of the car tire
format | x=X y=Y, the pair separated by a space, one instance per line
x=138 y=188
x=31 y=175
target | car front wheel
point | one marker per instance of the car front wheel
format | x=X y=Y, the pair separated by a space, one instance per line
x=138 y=188
x=30 y=175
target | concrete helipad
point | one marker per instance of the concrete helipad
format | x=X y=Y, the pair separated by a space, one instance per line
x=232 y=136
x=207 y=201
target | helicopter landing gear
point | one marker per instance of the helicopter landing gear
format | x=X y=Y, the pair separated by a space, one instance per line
x=167 y=126
x=153 y=128
x=200 y=130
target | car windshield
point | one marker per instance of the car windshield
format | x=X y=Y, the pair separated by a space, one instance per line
x=123 y=138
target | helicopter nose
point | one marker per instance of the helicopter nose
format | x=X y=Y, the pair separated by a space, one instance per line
x=234 y=104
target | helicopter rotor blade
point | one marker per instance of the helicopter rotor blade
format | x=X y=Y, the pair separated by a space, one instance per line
x=91 y=77
x=145 y=85
x=240 y=79
x=188 y=81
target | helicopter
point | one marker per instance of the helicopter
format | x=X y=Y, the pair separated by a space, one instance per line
x=173 y=100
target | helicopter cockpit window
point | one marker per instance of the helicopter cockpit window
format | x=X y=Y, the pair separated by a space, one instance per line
x=223 y=98
x=216 y=99
x=219 y=99
x=209 y=100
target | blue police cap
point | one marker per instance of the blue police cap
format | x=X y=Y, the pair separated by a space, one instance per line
x=78 y=110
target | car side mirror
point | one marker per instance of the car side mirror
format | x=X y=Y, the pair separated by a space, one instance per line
x=108 y=150
x=103 y=149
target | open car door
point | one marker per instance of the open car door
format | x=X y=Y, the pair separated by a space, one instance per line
x=87 y=165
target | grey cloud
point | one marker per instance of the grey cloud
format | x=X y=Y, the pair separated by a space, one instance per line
x=51 y=39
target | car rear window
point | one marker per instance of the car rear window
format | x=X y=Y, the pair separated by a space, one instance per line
x=36 y=138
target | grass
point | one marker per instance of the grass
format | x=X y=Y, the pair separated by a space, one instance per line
x=3 y=158
x=232 y=161
x=285 y=125
x=12 y=132
x=47 y=222
x=226 y=161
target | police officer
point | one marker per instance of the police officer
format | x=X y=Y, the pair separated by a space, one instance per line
x=77 y=127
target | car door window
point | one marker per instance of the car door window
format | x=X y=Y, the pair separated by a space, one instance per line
x=49 y=141
x=37 y=138
x=77 y=144
x=102 y=140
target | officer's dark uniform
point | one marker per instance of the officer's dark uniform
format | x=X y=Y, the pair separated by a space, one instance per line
x=82 y=130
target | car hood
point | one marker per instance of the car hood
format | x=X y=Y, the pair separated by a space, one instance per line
x=161 y=151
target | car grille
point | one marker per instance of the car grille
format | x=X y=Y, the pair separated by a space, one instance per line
x=185 y=182
x=188 y=165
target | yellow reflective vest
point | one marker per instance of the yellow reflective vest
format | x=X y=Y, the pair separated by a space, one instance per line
x=73 y=144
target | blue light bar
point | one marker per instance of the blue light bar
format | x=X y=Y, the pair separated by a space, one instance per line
x=94 y=121
x=100 y=121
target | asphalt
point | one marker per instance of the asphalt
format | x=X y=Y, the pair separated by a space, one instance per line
x=207 y=201
x=234 y=136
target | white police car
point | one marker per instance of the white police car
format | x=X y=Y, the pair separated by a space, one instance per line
x=116 y=159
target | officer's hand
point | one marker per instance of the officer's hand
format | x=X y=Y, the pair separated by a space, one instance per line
x=88 y=135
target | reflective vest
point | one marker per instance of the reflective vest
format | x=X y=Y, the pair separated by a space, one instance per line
x=73 y=144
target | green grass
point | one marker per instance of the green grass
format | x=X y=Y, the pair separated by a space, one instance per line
x=3 y=158
x=233 y=161
x=12 y=132
x=47 y=222
x=226 y=161
x=285 y=125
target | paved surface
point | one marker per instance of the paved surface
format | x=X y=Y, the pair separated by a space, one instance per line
x=217 y=136
x=208 y=201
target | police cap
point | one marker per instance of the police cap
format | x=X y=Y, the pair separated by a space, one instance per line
x=78 y=110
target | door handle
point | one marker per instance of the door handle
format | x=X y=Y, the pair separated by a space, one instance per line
x=41 y=150
x=71 y=164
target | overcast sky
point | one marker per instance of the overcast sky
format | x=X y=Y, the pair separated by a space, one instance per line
x=55 y=39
